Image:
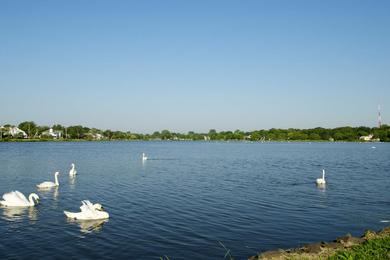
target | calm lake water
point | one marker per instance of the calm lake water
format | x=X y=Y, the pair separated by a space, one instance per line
x=190 y=196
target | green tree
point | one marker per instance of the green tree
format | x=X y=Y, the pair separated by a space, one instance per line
x=108 y=133
x=156 y=135
x=338 y=136
x=166 y=135
x=58 y=127
x=212 y=134
x=75 y=132
x=238 y=135
x=314 y=136
x=118 y=135
x=29 y=127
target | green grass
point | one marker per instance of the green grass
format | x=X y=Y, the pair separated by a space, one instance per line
x=378 y=248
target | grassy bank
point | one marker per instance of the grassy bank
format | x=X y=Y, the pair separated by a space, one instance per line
x=371 y=245
x=378 y=248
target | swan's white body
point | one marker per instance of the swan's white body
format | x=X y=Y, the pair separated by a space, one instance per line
x=321 y=181
x=49 y=184
x=89 y=211
x=17 y=199
x=144 y=157
x=72 y=171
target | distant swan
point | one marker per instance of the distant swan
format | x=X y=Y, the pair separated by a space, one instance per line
x=72 y=171
x=144 y=157
x=49 y=184
x=17 y=199
x=321 y=181
x=89 y=211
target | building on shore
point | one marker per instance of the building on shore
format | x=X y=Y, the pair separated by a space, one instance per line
x=16 y=132
x=12 y=131
x=368 y=138
x=52 y=134
x=94 y=136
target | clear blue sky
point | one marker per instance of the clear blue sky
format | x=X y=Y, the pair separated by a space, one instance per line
x=195 y=65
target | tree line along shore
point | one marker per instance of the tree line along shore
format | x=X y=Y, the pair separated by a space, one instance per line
x=30 y=131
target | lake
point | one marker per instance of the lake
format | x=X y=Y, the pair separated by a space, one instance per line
x=190 y=198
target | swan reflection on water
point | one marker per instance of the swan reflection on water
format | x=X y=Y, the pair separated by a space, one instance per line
x=18 y=213
x=321 y=187
x=72 y=181
x=322 y=196
x=89 y=226
x=46 y=192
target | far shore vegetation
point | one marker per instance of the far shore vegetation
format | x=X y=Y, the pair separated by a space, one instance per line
x=30 y=131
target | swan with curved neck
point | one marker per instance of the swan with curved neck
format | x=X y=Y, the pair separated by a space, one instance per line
x=31 y=199
x=50 y=184
x=144 y=157
x=72 y=171
x=17 y=199
x=321 y=181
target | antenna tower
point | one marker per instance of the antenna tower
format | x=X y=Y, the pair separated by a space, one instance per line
x=379 y=117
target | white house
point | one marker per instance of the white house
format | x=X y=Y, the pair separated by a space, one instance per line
x=15 y=131
x=94 y=136
x=97 y=136
x=52 y=133
x=366 y=137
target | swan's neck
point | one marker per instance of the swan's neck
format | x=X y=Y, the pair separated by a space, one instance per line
x=323 y=174
x=56 y=179
x=31 y=200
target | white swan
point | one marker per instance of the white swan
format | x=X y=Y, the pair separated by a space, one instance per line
x=17 y=199
x=49 y=184
x=321 y=181
x=72 y=171
x=89 y=211
x=144 y=157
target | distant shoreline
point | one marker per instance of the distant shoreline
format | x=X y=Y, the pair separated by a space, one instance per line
x=30 y=131
x=187 y=140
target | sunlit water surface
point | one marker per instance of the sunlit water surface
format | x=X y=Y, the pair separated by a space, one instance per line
x=191 y=198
